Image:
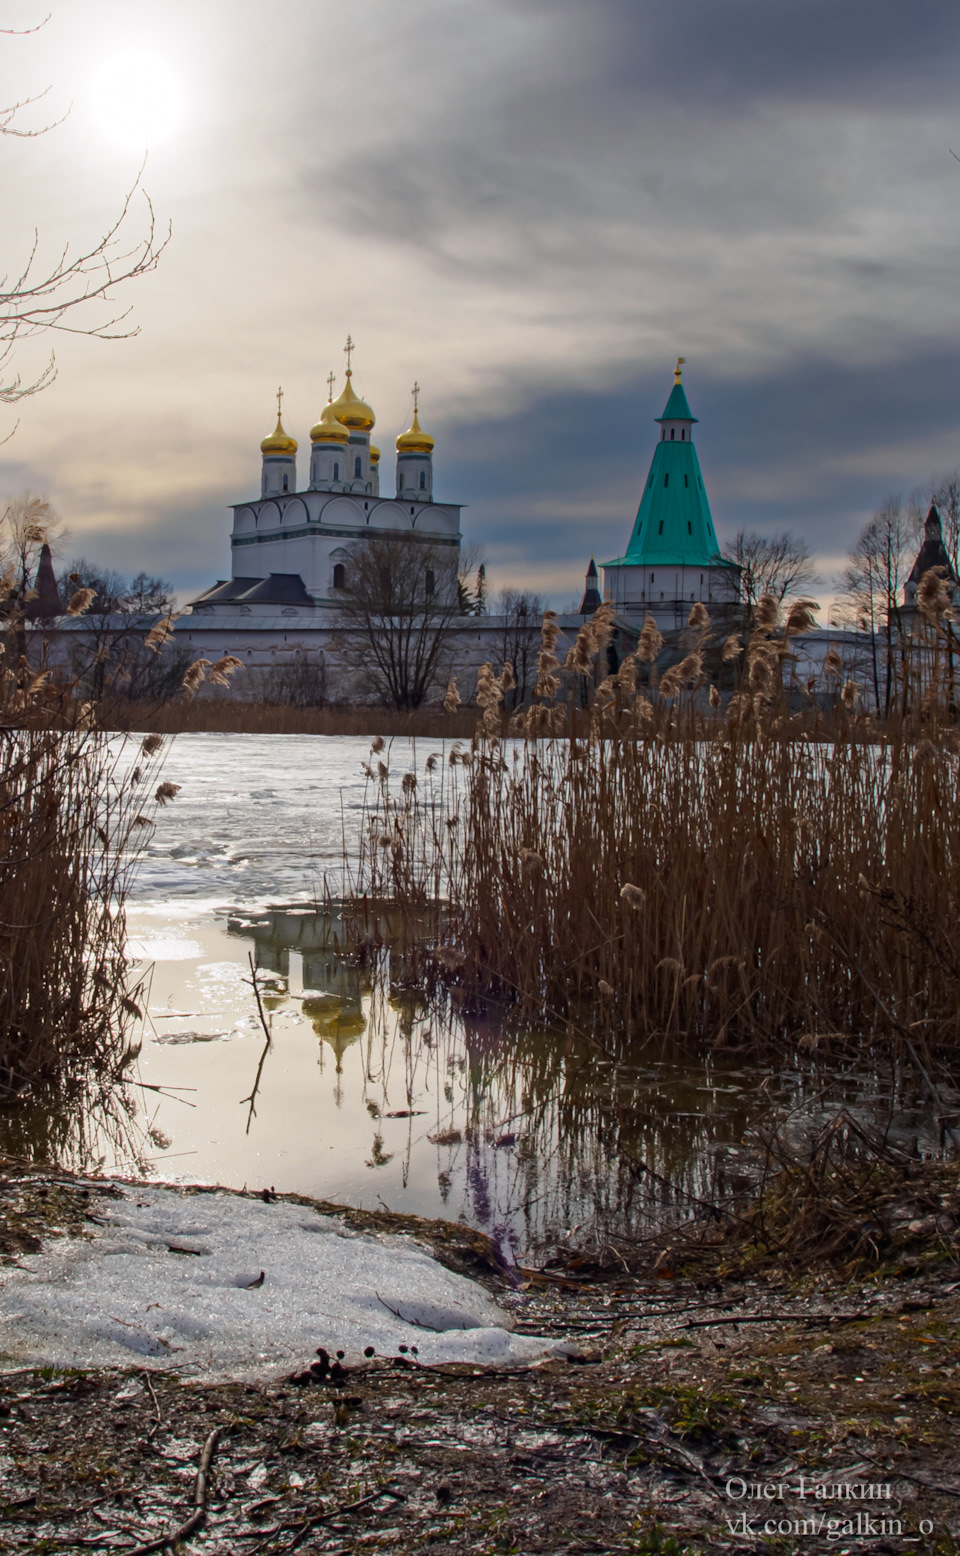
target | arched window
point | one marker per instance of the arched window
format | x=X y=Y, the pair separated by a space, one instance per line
x=358 y=467
x=423 y=480
x=686 y=480
x=431 y=582
x=339 y=576
x=285 y=483
x=336 y=471
x=673 y=433
x=666 y=480
x=683 y=434
x=689 y=527
x=663 y=433
x=660 y=530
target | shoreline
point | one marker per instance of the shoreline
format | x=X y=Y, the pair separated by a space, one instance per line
x=683 y=1389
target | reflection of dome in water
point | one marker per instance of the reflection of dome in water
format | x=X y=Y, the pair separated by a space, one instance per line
x=274 y=996
x=337 y=1027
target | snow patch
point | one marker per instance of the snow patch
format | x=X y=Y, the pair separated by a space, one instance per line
x=173 y=1280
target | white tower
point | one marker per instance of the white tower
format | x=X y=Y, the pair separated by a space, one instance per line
x=328 y=454
x=357 y=417
x=279 y=460
x=415 y=459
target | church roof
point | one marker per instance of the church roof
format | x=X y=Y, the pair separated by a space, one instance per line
x=278 y=589
x=591 y=600
x=677 y=407
x=673 y=527
x=933 y=552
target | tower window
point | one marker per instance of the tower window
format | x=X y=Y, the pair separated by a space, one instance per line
x=423 y=480
x=285 y=483
x=673 y=433
x=683 y=434
x=663 y=433
x=336 y=471
x=660 y=530
x=651 y=578
x=339 y=576
x=686 y=480
x=689 y=528
x=400 y=483
x=666 y=480
x=431 y=582
x=358 y=466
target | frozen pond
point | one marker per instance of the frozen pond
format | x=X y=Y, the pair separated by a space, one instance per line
x=366 y=1095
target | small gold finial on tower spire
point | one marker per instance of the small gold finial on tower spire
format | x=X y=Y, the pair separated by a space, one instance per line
x=279 y=442
x=678 y=370
x=331 y=380
x=349 y=349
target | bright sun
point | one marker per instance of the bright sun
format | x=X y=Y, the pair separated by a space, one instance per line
x=136 y=99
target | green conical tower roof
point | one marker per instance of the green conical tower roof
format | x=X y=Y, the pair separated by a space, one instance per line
x=673 y=527
x=676 y=408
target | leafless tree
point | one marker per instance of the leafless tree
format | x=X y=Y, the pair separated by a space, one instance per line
x=781 y=565
x=117 y=595
x=398 y=603
x=60 y=296
x=873 y=583
x=519 y=640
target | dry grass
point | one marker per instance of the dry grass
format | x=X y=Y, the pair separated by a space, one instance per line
x=233 y=716
x=73 y=814
x=674 y=870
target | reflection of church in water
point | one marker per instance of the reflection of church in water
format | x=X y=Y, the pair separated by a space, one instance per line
x=333 y=989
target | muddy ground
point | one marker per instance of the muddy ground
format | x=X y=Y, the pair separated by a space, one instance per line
x=729 y=1409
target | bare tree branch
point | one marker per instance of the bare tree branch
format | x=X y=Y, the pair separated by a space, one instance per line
x=33 y=301
x=399 y=600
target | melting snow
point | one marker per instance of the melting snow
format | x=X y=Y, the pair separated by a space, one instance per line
x=166 y=1281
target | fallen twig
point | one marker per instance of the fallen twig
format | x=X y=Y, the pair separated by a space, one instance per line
x=304 y=1526
x=199 y=1513
x=779 y=1318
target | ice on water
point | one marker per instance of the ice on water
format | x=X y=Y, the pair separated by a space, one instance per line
x=166 y=1281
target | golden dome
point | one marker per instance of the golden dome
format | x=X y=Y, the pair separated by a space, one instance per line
x=415 y=440
x=374 y=454
x=278 y=442
x=351 y=411
x=328 y=429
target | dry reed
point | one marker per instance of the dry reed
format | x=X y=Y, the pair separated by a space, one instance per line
x=673 y=869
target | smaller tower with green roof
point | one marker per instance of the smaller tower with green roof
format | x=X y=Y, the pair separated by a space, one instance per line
x=673 y=558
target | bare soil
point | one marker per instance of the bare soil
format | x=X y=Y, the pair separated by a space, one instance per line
x=699 y=1411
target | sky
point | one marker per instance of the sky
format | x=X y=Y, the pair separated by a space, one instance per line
x=530 y=206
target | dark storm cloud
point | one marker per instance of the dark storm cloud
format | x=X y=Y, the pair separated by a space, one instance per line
x=738 y=51
x=622 y=122
x=569 y=472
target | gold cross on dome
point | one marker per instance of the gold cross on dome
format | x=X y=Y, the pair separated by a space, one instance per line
x=331 y=380
x=678 y=370
x=279 y=402
x=349 y=348
x=415 y=391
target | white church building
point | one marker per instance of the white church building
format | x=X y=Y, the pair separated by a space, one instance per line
x=289 y=547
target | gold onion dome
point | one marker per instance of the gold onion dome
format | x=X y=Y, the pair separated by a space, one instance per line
x=374 y=454
x=414 y=440
x=328 y=429
x=351 y=411
x=278 y=442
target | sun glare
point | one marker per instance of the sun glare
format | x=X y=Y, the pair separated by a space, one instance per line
x=136 y=99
